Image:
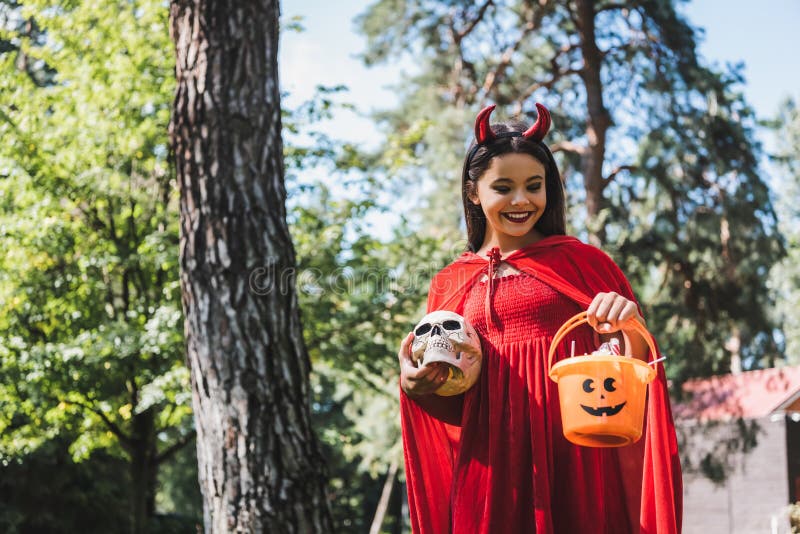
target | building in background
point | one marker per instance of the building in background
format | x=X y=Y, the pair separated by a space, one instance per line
x=755 y=411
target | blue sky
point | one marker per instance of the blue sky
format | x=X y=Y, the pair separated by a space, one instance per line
x=766 y=40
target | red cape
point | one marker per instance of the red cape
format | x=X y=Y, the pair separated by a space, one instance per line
x=431 y=431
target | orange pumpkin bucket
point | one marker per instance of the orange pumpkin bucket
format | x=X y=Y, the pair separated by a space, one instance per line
x=602 y=397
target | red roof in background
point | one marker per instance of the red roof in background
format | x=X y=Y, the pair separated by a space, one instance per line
x=749 y=395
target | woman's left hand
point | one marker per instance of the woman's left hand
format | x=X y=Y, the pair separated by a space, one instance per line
x=609 y=312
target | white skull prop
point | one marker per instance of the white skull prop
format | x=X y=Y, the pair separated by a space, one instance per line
x=445 y=336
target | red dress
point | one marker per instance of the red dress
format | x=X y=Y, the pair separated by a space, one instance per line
x=505 y=466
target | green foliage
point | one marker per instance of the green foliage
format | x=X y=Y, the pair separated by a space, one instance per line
x=359 y=294
x=178 y=498
x=785 y=277
x=45 y=491
x=90 y=314
x=359 y=297
x=711 y=230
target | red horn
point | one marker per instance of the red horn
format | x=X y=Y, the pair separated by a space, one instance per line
x=540 y=127
x=483 y=132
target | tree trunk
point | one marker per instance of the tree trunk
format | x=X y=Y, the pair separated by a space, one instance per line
x=598 y=119
x=259 y=463
x=143 y=470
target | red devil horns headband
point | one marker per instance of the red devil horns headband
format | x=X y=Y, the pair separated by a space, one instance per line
x=484 y=133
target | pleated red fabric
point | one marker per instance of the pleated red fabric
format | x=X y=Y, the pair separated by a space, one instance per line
x=507 y=467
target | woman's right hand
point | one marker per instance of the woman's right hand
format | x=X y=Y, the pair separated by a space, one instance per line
x=419 y=381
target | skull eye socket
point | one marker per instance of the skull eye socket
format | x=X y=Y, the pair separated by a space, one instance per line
x=588 y=385
x=608 y=383
x=451 y=325
x=423 y=329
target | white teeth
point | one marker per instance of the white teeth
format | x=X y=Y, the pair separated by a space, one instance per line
x=518 y=216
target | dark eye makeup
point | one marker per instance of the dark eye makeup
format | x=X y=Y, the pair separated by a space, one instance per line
x=533 y=187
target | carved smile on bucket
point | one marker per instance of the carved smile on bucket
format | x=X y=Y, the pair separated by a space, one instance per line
x=603 y=410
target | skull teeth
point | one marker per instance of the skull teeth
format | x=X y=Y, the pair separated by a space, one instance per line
x=440 y=343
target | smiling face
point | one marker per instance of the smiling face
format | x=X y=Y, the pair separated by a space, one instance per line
x=511 y=193
x=603 y=404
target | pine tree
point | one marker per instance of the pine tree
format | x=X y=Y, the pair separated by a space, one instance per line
x=260 y=465
x=785 y=277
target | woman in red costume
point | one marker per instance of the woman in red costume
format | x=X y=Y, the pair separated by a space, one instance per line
x=494 y=459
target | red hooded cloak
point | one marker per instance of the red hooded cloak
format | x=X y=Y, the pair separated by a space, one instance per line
x=465 y=475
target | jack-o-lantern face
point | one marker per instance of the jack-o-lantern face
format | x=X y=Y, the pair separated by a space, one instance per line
x=608 y=386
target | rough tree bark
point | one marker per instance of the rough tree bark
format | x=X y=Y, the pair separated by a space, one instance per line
x=259 y=463
x=598 y=120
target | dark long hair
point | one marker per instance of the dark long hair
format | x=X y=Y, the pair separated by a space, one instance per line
x=553 y=220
